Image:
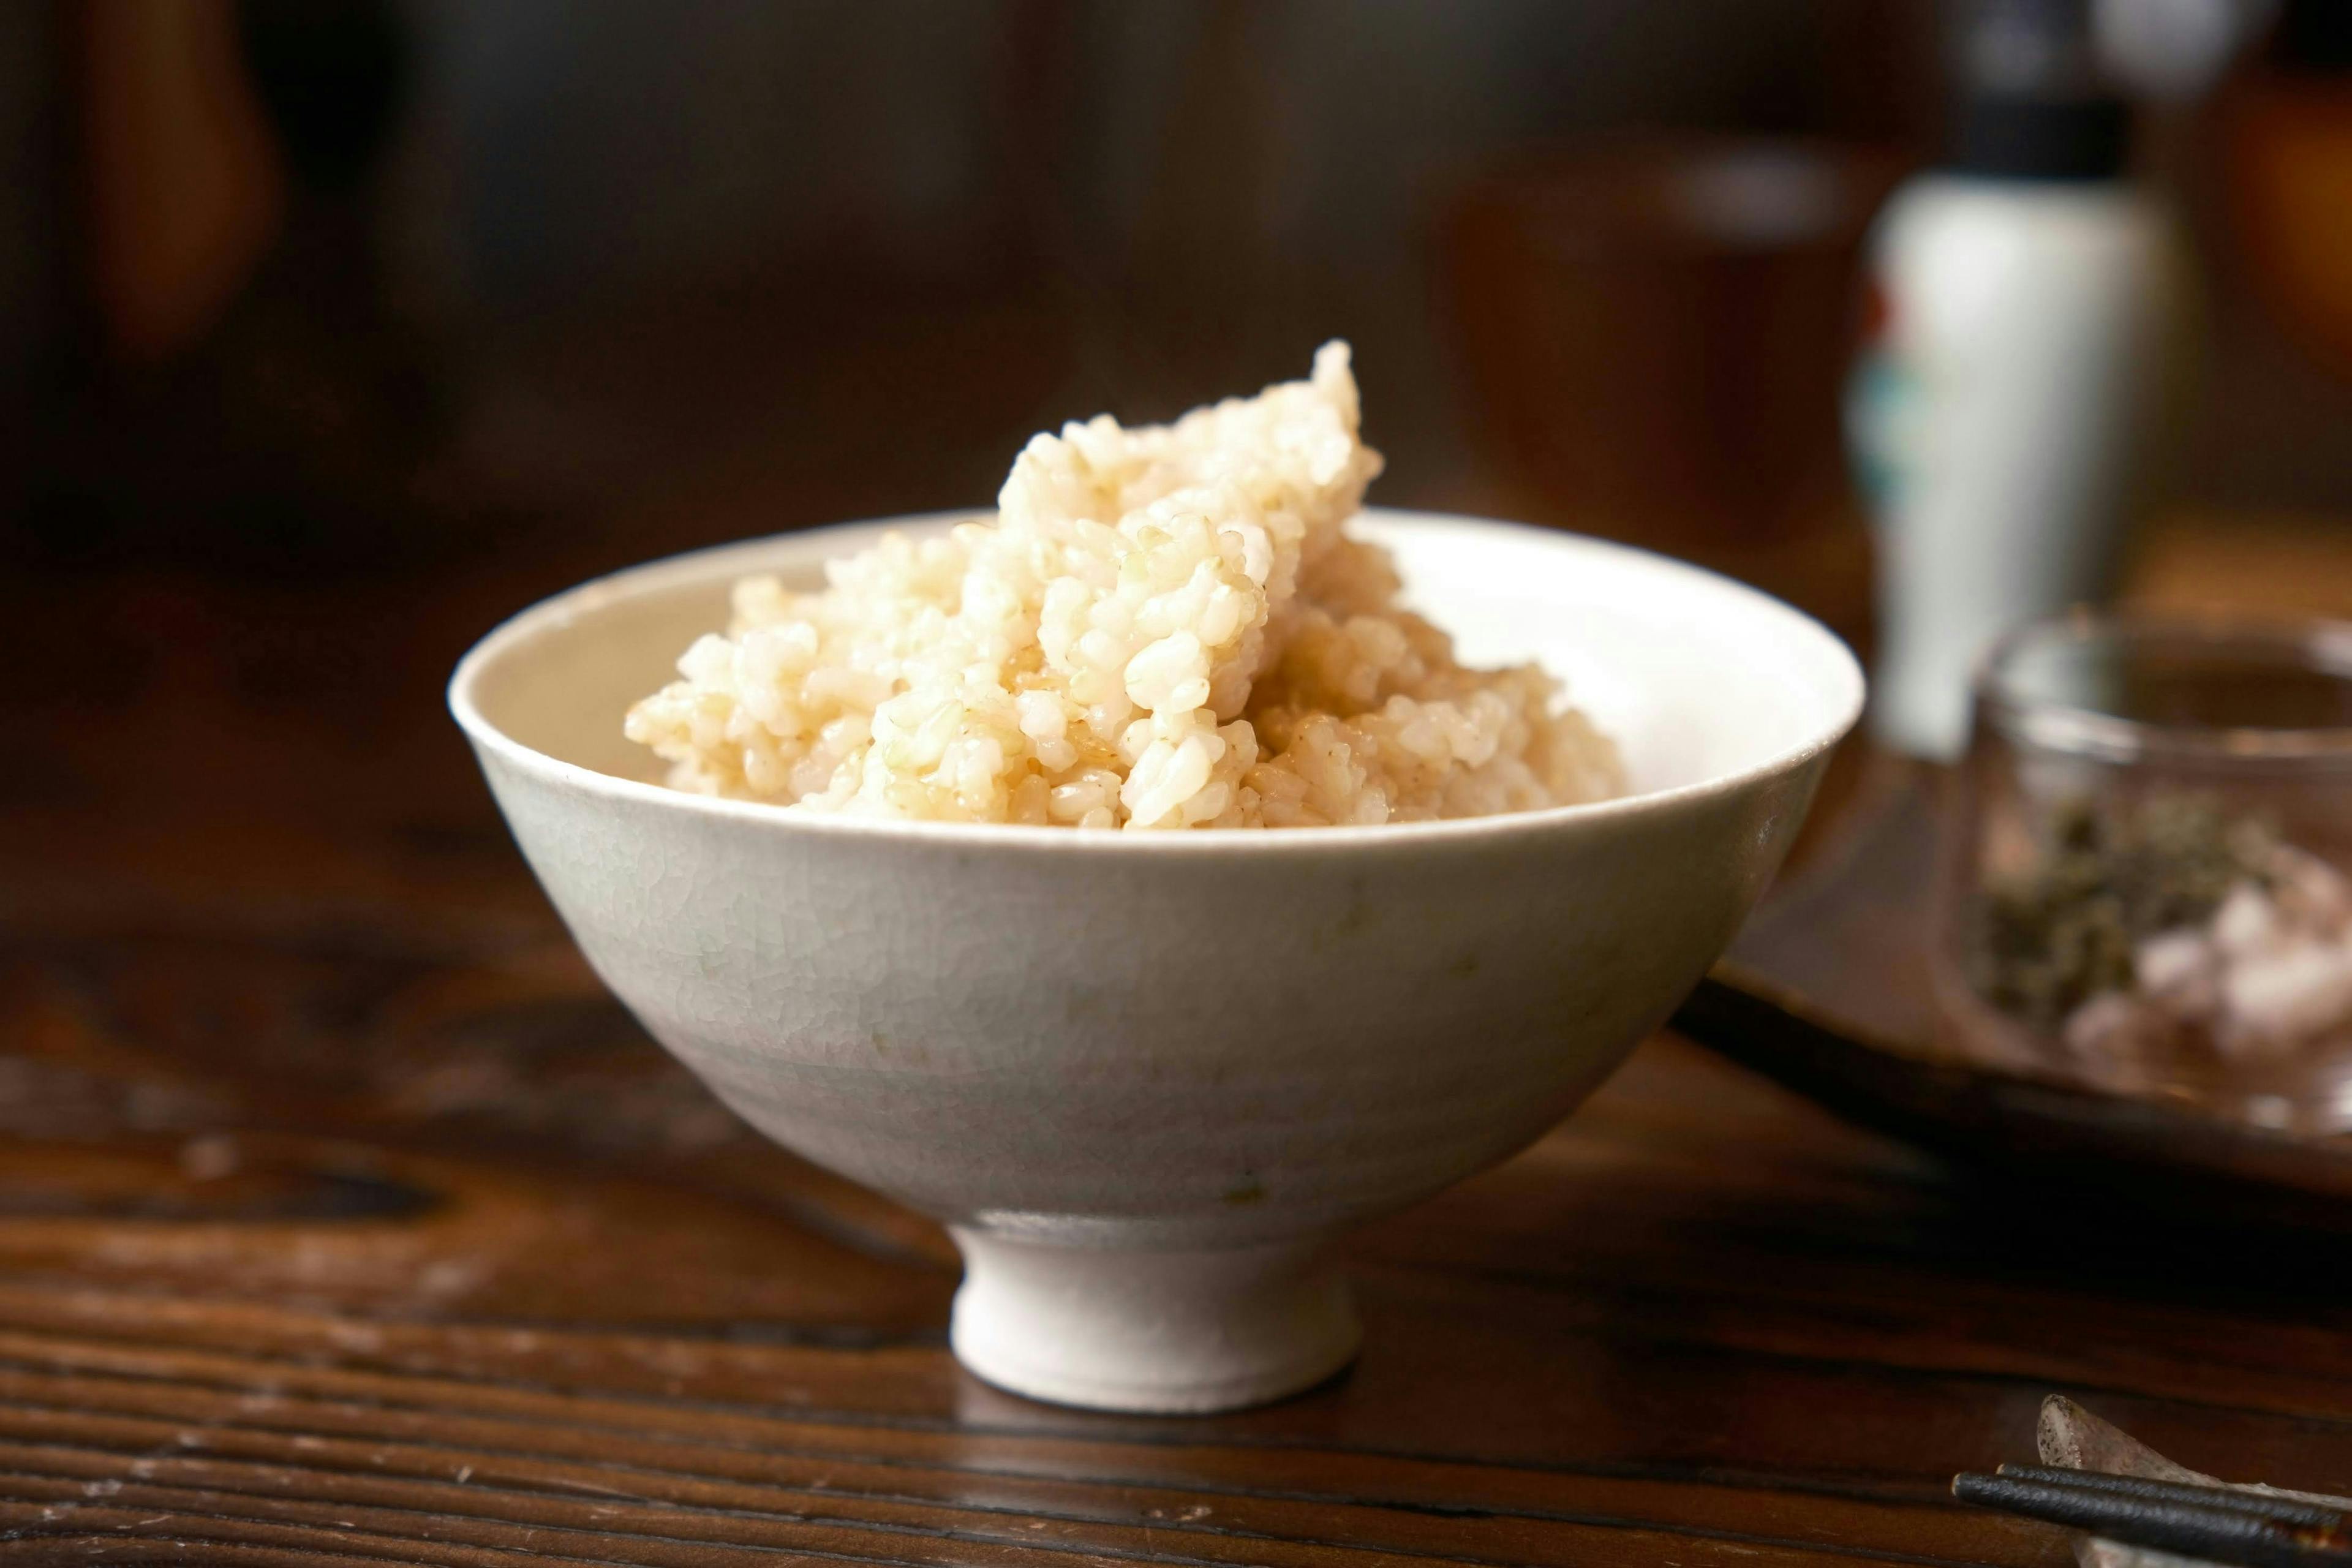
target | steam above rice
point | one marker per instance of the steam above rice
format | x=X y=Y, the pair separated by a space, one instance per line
x=1163 y=627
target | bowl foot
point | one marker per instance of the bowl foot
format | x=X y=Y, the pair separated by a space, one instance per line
x=1161 y=1331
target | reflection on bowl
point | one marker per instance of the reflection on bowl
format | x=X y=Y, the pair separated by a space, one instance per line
x=1145 y=1078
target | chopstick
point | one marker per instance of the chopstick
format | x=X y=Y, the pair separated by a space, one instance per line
x=2285 y=1509
x=2219 y=1523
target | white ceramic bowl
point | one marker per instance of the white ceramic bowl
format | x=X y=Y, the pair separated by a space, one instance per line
x=1146 y=1077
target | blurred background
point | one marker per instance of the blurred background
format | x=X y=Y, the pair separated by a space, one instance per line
x=333 y=329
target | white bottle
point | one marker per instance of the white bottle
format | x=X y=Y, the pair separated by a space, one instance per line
x=2019 y=323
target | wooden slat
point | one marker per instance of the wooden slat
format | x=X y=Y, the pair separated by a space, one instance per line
x=905 y=1492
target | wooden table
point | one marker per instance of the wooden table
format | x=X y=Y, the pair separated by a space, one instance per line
x=343 y=1217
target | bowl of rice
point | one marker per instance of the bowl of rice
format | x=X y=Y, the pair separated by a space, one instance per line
x=1160 y=874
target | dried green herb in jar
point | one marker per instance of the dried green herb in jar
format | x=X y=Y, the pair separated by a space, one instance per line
x=2107 y=878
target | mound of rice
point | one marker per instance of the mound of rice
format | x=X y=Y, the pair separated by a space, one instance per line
x=1163 y=627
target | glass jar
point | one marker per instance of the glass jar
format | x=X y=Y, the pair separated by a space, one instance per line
x=2148 y=885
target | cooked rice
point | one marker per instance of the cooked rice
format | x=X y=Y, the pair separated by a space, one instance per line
x=1163 y=627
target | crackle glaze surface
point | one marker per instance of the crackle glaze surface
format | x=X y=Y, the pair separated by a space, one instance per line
x=1184 y=1041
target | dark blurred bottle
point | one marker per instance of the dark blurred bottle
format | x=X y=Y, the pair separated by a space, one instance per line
x=241 y=384
x=1655 y=329
x=2290 y=165
x=2018 y=313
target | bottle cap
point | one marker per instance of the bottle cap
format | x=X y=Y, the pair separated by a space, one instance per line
x=2019 y=137
x=2033 y=103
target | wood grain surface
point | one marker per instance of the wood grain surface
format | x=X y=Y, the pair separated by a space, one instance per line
x=343 y=1217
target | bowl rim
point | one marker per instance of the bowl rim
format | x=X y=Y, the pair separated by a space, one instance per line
x=665 y=571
